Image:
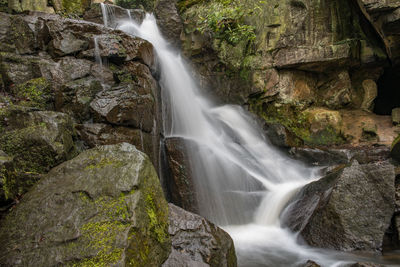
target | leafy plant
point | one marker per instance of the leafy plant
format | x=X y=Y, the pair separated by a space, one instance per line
x=226 y=21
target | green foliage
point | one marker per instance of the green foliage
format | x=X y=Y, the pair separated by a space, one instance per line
x=147 y=5
x=225 y=20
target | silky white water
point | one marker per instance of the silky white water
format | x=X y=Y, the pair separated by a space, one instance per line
x=242 y=183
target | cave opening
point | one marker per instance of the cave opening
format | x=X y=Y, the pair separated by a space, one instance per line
x=388 y=92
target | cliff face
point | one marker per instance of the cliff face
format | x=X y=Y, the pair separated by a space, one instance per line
x=315 y=67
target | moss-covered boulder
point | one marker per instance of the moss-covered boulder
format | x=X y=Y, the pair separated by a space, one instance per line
x=36 y=141
x=34 y=5
x=103 y=208
x=37 y=93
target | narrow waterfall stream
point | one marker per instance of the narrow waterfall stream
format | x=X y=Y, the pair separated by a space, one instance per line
x=242 y=183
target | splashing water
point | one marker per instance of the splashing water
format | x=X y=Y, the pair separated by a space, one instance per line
x=242 y=183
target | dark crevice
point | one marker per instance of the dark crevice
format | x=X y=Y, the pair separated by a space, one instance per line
x=388 y=92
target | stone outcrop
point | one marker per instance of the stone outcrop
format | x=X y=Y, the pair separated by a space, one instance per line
x=197 y=242
x=349 y=209
x=179 y=181
x=104 y=207
x=285 y=57
x=169 y=20
x=48 y=63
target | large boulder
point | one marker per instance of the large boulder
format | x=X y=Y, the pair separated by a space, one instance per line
x=347 y=210
x=36 y=141
x=197 y=242
x=105 y=207
x=179 y=179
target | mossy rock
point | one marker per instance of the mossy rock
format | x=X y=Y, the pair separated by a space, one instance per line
x=37 y=141
x=305 y=124
x=103 y=208
x=74 y=7
x=35 y=93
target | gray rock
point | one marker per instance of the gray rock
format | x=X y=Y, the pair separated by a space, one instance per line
x=126 y=105
x=198 y=239
x=169 y=21
x=179 y=182
x=347 y=210
x=104 y=207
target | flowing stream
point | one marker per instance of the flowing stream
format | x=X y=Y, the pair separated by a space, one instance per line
x=242 y=183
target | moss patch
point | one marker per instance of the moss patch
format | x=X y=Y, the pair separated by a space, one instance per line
x=34 y=93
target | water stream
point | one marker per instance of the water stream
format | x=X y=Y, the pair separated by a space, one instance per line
x=242 y=182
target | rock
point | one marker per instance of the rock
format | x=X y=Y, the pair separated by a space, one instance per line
x=35 y=93
x=198 y=239
x=94 y=14
x=311 y=263
x=395 y=149
x=34 y=5
x=37 y=141
x=104 y=207
x=179 y=181
x=169 y=21
x=347 y=210
x=369 y=131
x=178 y=259
x=336 y=90
x=74 y=97
x=335 y=156
x=126 y=105
x=279 y=136
x=396 y=116
x=17 y=69
x=365 y=264
x=370 y=93
x=95 y=134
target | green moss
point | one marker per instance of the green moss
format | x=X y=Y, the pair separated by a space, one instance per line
x=157 y=226
x=147 y=5
x=34 y=93
x=74 y=7
x=296 y=121
x=104 y=162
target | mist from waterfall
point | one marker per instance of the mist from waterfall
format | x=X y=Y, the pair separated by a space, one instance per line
x=242 y=182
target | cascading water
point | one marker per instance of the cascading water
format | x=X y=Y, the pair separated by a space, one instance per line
x=242 y=183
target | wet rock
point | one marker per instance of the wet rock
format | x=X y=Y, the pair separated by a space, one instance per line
x=179 y=181
x=94 y=14
x=36 y=141
x=169 y=20
x=279 y=136
x=198 y=239
x=311 y=263
x=347 y=210
x=125 y=105
x=104 y=207
x=335 y=156
x=396 y=116
x=366 y=264
x=95 y=134
x=16 y=69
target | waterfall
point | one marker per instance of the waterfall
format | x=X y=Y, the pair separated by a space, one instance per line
x=242 y=182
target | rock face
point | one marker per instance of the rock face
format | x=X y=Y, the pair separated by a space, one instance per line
x=71 y=7
x=197 y=242
x=35 y=141
x=169 y=20
x=347 y=210
x=179 y=181
x=104 y=207
x=48 y=63
x=283 y=58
